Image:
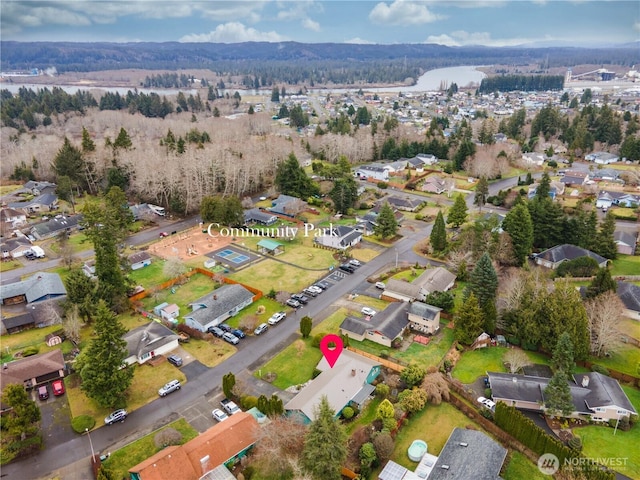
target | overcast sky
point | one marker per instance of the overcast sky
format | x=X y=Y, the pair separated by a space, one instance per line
x=447 y=22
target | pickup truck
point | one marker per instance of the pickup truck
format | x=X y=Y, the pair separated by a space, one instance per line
x=229 y=406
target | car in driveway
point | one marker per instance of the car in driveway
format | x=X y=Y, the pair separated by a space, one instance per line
x=276 y=318
x=380 y=285
x=58 y=387
x=485 y=402
x=216 y=331
x=224 y=327
x=219 y=415
x=117 y=416
x=260 y=329
x=169 y=387
x=370 y=312
x=43 y=392
x=238 y=333
x=231 y=338
x=175 y=360
x=293 y=303
x=315 y=288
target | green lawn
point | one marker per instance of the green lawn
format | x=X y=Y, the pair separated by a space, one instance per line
x=520 y=467
x=122 y=460
x=197 y=286
x=630 y=327
x=475 y=363
x=151 y=275
x=626 y=265
x=409 y=275
x=269 y=274
x=625 y=360
x=365 y=417
x=10 y=265
x=600 y=442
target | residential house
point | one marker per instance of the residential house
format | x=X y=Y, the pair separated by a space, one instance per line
x=217 y=306
x=214 y=450
x=553 y=257
x=375 y=211
x=372 y=172
x=33 y=370
x=39 y=188
x=12 y=218
x=383 y=327
x=424 y=318
x=149 y=341
x=38 y=287
x=55 y=226
x=15 y=247
x=437 y=279
x=434 y=184
x=401 y=290
x=37 y=315
x=258 y=216
x=139 y=260
x=602 y=158
x=142 y=211
x=287 y=205
x=555 y=189
x=608 y=175
x=398 y=166
x=167 y=311
x=404 y=203
x=626 y=241
x=575 y=178
x=42 y=203
x=468 y=454
x=499 y=137
x=607 y=199
x=629 y=294
x=593 y=395
x=340 y=237
x=533 y=158
x=348 y=382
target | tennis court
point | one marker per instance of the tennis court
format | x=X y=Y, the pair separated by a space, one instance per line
x=233 y=256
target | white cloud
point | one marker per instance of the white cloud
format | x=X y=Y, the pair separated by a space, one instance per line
x=311 y=25
x=460 y=38
x=469 y=4
x=402 y=12
x=359 y=41
x=234 y=32
x=636 y=26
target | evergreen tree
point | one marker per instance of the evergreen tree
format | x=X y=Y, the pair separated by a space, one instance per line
x=88 y=145
x=557 y=395
x=544 y=188
x=468 y=321
x=275 y=95
x=601 y=283
x=605 y=244
x=562 y=358
x=458 y=213
x=228 y=382
x=517 y=223
x=482 y=191
x=81 y=292
x=547 y=219
x=344 y=194
x=69 y=162
x=21 y=420
x=100 y=365
x=483 y=283
x=291 y=179
x=306 y=324
x=387 y=225
x=438 y=237
x=325 y=446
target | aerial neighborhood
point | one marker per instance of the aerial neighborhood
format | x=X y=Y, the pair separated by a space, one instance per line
x=167 y=286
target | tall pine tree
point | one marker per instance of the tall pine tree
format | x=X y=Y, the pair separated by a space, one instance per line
x=517 y=223
x=557 y=395
x=458 y=213
x=483 y=283
x=387 y=225
x=605 y=244
x=468 y=321
x=438 y=236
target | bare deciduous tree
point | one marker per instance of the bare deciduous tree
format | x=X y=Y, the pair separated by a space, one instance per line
x=436 y=387
x=516 y=359
x=279 y=445
x=174 y=267
x=72 y=324
x=282 y=297
x=604 y=313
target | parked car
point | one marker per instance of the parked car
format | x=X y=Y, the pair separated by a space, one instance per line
x=323 y=285
x=300 y=298
x=238 y=333
x=117 y=416
x=354 y=262
x=219 y=415
x=276 y=318
x=261 y=329
x=347 y=268
x=485 y=402
x=292 y=302
x=368 y=311
x=486 y=382
x=380 y=285
x=175 y=360
x=58 y=387
x=216 y=331
x=315 y=288
x=164 y=234
x=224 y=327
x=231 y=338
x=166 y=389
x=43 y=392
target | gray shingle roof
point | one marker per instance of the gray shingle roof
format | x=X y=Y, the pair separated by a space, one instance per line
x=604 y=391
x=389 y=322
x=469 y=454
x=257 y=215
x=39 y=286
x=46 y=199
x=424 y=310
x=55 y=225
x=403 y=288
x=221 y=300
x=567 y=251
x=138 y=257
x=630 y=295
x=435 y=279
x=146 y=338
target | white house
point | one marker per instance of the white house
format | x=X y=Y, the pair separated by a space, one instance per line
x=340 y=237
x=372 y=172
x=215 y=307
x=149 y=341
x=602 y=158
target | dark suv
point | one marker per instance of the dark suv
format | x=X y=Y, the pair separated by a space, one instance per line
x=216 y=331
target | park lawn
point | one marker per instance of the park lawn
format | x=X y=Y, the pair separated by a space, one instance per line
x=630 y=327
x=434 y=425
x=151 y=275
x=625 y=265
x=364 y=254
x=599 y=442
x=269 y=274
x=409 y=275
x=129 y=456
x=624 y=360
x=520 y=467
x=270 y=307
x=209 y=353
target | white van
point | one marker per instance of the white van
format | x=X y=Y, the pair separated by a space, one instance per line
x=38 y=252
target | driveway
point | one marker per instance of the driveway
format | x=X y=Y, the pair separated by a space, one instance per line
x=56 y=419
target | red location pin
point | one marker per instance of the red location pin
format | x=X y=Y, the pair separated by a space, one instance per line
x=331 y=354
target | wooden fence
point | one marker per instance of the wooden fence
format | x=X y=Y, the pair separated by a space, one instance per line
x=383 y=361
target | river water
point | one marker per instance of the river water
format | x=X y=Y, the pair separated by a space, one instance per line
x=429 y=81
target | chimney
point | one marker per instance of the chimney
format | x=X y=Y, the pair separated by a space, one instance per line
x=204 y=464
x=585 y=381
x=353 y=372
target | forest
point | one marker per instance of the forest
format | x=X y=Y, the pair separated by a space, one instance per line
x=523 y=83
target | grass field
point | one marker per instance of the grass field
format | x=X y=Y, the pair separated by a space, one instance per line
x=7 y=189
x=123 y=459
x=630 y=328
x=625 y=360
x=626 y=265
x=475 y=363
x=197 y=286
x=409 y=275
x=210 y=353
x=271 y=274
x=520 y=467
x=151 y=275
x=9 y=265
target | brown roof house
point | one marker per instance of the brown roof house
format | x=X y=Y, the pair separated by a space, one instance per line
x=34 y=370
x=220 y=447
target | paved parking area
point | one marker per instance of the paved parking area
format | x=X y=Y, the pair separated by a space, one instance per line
x=56 y=419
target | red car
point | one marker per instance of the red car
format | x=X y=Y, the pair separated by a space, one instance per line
x=163 y=234
x=58 y=387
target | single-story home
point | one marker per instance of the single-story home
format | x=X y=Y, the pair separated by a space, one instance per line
x=555 y=189
x=425 y=158
x=372 y=172
x=573 y=177
x=270 y=247
x=602 y=158
x=383 y=327
x=396 y=167
x=215 y=307
x=553 y=257
x=149 y=341
x=499 y=137
x=629 y=294
x=12 y=218
x=139 y=260
x=42 y=203
x=287 y=205
x=38 y=188
x=424 y=318
x=533 y=158
x=437 y=279
x=41 y=314
x=339 y=237
x=38 y=287
x=401 y=290
x=222 y=445
x=15 y=247
x=594 y=395
x=612 y=198
x=259 y=216
x=348 y=382
x=626 y=241
x=34 y=370
x=434 y=184
x=608 y=174
x=406 y=204
x=54 y=226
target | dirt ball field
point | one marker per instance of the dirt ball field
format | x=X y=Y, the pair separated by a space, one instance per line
x=188 y=244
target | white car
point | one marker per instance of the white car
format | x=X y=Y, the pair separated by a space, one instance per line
x=380 y=285
x=219 y=415
x=315 y=289
x=370 y=312
x=172 y=386
x=354 y=262
x=485 y=402
x=276 y=318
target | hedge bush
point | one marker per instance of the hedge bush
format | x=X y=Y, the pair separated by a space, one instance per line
x=82 y=422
